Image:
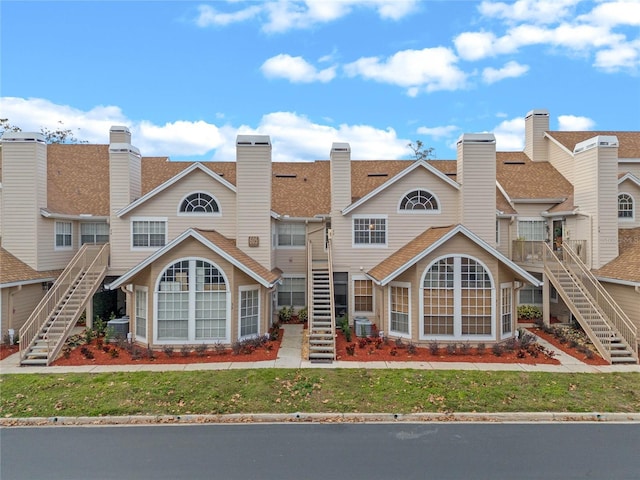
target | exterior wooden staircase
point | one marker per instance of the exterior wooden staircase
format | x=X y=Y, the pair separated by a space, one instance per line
x=44 y=333
x=607 y=326
x=322 y=333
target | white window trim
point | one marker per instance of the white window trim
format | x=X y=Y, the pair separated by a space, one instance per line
x=289 y=247
x=632 y=218
x=304 y=277
x=199 y=214
x=148 y=219
x=532 y=219
x=498 y=232
x=57 y=247
x=353 y=295
x=92 y=223
x=507 y=286
x=191 y=335
x=369 y=245
x=135 y=316
x=457 y=306
x=247 y=288
x=419 y=212
x=394 y=332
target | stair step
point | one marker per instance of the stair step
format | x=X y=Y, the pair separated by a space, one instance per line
x=321 y=355
x=35 y=362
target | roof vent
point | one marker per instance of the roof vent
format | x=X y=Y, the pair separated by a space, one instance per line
x=607 y=141
x=286 y=175
x=255 y=140
x=377 y=174
x=514 y=162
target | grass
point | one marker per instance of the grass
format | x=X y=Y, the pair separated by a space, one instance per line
x=314 y=390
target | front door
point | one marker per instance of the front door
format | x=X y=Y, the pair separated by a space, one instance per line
x=340 y=294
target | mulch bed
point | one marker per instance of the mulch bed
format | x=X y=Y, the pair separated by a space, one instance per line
x=104 y=356
x=596 y=359
x=6 y=350
x=390 y=352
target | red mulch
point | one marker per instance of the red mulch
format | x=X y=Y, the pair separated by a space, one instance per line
x=123 y=357
x=370 y=353
x=595 y=360
x=6 y=350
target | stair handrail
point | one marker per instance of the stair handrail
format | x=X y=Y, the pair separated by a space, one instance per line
x=310 y=285
x=331 y=293
x=29 y=331
x=601 y=343
x=98 y=265
x=618 y=317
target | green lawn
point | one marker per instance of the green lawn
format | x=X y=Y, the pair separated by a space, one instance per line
x=314 y=390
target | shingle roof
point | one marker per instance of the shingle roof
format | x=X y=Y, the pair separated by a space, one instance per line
x=15 y=271
x=629 y=141
x=626 y=266
x=523 y=179
x=407 y=253
x=229 y=247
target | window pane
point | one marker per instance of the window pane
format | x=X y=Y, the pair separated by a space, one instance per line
x=249 y=312
x=363 y=295
x=400 y=309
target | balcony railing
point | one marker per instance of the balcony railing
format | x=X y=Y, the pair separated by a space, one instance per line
x=532 y=252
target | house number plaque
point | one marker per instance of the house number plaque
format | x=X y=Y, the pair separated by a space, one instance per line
x=254 y=241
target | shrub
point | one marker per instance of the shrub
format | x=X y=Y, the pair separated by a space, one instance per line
x=482 y=348
x=236 y=347
x=393 y=352
x=362 y=342
x=151 y=355
x=511 y=344
x=411 y=348
x=185 y=350
x=529 y=312
x=303 y=314
x=114 y=353
x=168 y=350
x=219 y=348
x=434 y=347
x=400 y=344
x=285 y=314
x=88 y=354
x=465 y=348
x=346 y=329
x=497 y=349
x=452 y=348
x=351 y=349
x=66 y=351
x=201 y=349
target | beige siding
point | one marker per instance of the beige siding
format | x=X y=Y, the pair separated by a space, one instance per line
x=316 y=234
x=24 y=191
x=18 y=303
x=628 y=167
x=562 y=160
x=166 y=205
x=401 y=227
x=124 y=176
x=477 y=174
x=505 y=236
x=254 y=201
x=50 y=258
x=536 y=124
x=292 y=260
x=628 y=299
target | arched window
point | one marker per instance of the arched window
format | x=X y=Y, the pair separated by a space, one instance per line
x=419 y=200
x=625 y=206
x=199 y=203
x=457 y=299
x=192 y=303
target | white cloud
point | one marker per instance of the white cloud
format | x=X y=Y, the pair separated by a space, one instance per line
x=475 y=45
x=537 y=11
x=509 y=70
x=296 y=70
x=294 y=136
x=572 y=122
x=438 y=133
x=614 y=13
x=510 y=135
x=210 y=16
x=618 y=57
x=429 y=69
x=283 y=15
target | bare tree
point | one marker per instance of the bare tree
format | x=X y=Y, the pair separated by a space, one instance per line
x=60 y=135
x=421 y=152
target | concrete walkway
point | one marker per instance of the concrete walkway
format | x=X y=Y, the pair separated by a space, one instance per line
x=290 y=356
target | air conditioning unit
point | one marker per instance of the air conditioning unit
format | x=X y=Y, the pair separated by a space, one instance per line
x=119 y=326
x=362 y=326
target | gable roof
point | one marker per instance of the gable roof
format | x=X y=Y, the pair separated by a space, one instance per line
x=629 y=141
x=523 y=179
x=625 y=268
x=628 y=176
x=15 y=272
x=173 y=180
x=427 y=242
x=218 y=244
x=414 y=165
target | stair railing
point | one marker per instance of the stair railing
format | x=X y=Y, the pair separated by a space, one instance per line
x=331 y=292
x=310 y=308
x=56 y=295
x=612 y=310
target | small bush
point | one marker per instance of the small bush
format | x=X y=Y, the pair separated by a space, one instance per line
x=465 y=348
x=285 y=314
x=497 y=349
x=114 y=353
x=482 y=348
x=168 y=350
x=529 y=312
x=150 y=353
x=351 y=349
x=362 y=342
x=66 y=351
x=236 y=348
x=393 y=352
x=434 y=347
x=452 y=348
x=411 y=348
x=219 y=348
x=201 y=349
x=400 y=344
x=88 y=354
x=136 y=352
x=185 y=350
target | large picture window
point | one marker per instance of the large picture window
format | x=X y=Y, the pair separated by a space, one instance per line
x=370 y=231
x=192 y=303
x=457 y=299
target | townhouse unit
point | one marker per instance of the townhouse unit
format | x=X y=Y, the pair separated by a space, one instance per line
x=209 y=252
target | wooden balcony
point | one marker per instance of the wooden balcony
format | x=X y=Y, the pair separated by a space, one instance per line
x=531 y=253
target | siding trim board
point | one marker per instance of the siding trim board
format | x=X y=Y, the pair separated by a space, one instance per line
x=402 y=174
x=172 y=181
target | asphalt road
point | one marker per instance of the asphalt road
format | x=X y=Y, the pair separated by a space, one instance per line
x=440 y=451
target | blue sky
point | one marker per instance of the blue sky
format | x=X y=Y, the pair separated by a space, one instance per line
x=187 y=77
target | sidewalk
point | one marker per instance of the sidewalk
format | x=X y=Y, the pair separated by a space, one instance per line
x=290 y=356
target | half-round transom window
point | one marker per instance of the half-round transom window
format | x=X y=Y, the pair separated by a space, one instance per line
x=199 y=203
x=419 y=200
